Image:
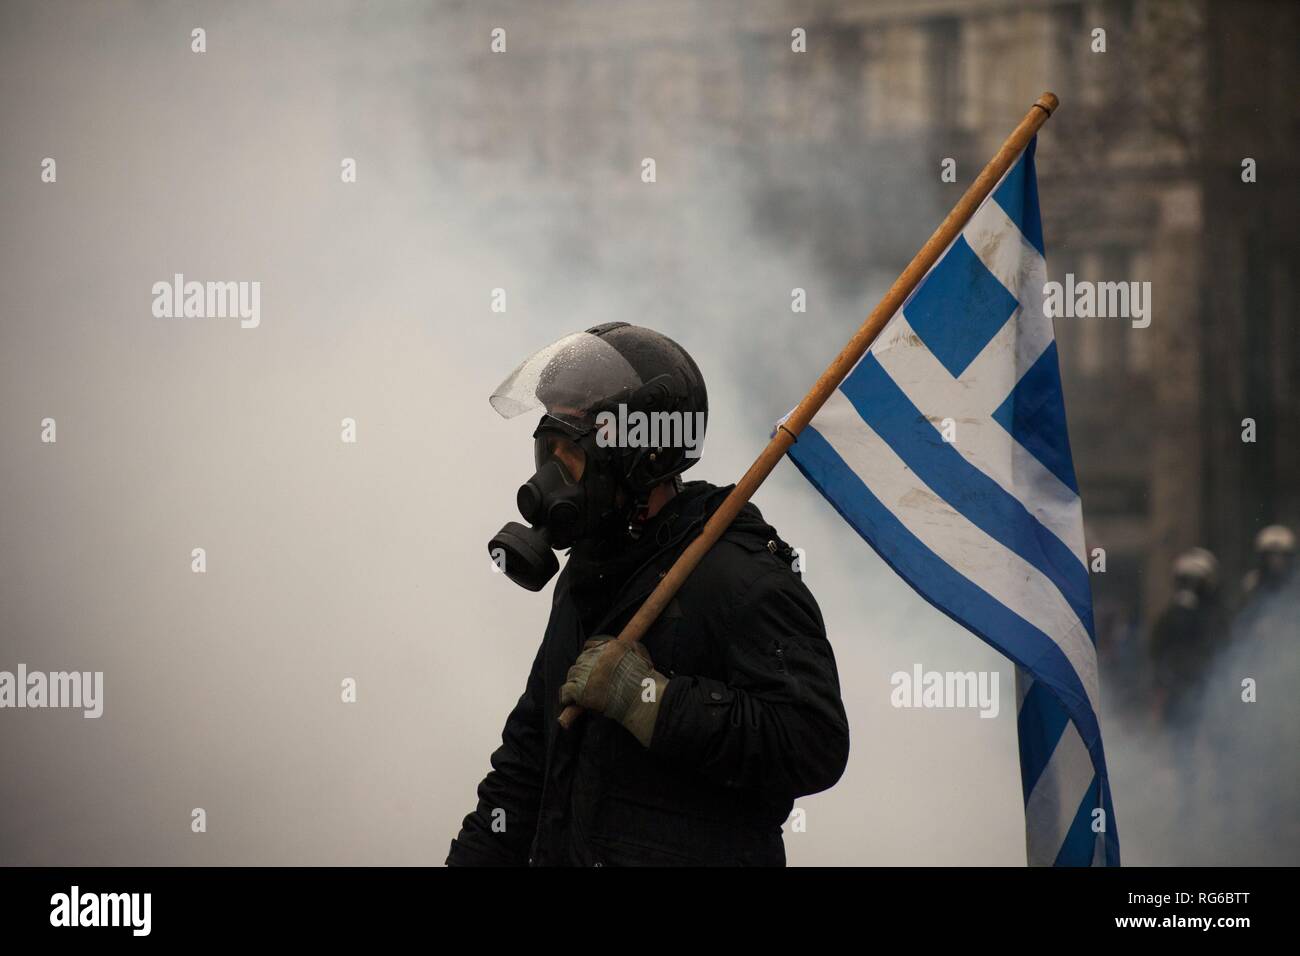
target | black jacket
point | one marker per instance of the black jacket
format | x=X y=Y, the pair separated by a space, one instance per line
x=751 y=718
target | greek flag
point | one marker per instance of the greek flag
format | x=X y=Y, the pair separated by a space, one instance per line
x=946 y=448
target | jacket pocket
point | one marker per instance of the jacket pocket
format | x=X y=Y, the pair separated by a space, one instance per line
x=778 y=655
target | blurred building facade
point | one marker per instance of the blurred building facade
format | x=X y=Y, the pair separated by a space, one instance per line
x=1140 y=179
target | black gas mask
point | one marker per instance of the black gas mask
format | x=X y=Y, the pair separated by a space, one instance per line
x=573 y=495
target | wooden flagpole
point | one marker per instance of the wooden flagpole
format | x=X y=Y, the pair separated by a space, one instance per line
x=788 y=432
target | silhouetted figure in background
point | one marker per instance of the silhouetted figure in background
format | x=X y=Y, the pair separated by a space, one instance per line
x=1274 y=565
x=1186 y=637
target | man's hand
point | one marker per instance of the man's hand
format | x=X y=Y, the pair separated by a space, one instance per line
x=617 y=679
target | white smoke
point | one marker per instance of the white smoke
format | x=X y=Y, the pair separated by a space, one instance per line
x=1223 y=786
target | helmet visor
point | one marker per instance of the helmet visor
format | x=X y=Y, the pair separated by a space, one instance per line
x=571 y=379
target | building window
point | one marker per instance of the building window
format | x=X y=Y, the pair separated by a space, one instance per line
x=943 y=43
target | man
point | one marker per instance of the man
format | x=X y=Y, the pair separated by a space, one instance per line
x=1186 y=638
x=1275 y=560
x=697 y=741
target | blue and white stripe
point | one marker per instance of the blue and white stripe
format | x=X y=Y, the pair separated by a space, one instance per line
x=988 y=528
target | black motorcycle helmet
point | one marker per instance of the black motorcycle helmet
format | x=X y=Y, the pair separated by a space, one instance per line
x=597 y=388
x=671 y=382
